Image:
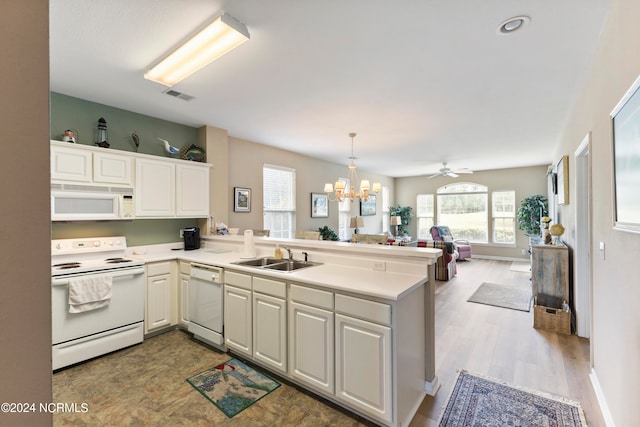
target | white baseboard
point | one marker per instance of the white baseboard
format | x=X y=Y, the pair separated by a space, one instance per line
x=432 y=387
x=500 y=258
x=602 y=402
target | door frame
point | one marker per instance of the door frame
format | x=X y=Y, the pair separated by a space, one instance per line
x=583 y=253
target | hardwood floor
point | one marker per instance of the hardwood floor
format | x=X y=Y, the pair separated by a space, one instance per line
x=145 y=384
x=502 y=344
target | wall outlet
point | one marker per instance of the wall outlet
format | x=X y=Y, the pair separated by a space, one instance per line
x=379 y=265
x=524 y=252
x=182 y=233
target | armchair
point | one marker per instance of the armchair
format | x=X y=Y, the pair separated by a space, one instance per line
x=440 y=232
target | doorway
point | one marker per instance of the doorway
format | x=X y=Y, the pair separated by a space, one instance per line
x=583 y=239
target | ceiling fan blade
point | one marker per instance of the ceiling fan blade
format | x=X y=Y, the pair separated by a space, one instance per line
x=464 y=171
x=451 y=174
x=433 y=176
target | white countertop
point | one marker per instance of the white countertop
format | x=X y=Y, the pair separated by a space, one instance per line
x=345 y=267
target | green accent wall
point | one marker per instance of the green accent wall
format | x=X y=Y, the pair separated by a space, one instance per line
x=68 y=112
x=81 y=115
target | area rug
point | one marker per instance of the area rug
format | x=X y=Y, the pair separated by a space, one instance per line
x=515 y=298
x=480 y=401
x=522 y=267
x=233 y=386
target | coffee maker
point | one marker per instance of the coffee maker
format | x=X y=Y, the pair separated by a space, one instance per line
x=191 y=238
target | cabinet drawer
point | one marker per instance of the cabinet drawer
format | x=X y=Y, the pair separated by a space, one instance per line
x=157 y=268
x=311 y=296
x=238 y=279
x=363 y=309
x=270 y=287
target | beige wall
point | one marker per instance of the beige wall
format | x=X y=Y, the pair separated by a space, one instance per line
x=615 y=336
x=25 y=275
x=524 y=181
x=245 y=170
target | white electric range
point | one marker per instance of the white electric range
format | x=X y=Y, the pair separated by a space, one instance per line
x=97 y=298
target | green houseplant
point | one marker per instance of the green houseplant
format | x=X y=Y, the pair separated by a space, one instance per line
x=531 y=210
x=404 y=212
x=327 y=233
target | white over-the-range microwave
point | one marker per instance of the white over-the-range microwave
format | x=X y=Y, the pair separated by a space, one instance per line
x=71 y=202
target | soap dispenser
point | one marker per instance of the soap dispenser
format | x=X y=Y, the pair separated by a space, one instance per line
x=278 y=254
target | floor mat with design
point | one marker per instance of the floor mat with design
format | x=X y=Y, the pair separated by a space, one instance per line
x=233 y=386
x=480 y=401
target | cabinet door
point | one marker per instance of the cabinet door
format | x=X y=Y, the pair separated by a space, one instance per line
x=192 y=191
x=158 y=302
x=112 y=168
x=70 y=164
x=363 y=366
x=270 y=331
x=155 y=188
x=311 y=346
x=184 y=300
x=237 y=319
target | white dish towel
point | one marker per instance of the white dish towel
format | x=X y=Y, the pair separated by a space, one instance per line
x=90 y=293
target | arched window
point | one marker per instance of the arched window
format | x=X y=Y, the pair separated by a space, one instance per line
x=463 y=207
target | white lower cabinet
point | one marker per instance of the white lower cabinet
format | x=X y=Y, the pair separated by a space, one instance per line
x=158 y=296
x=363 y=366
x=270 y=331
x=237 y=320
x=311 y=337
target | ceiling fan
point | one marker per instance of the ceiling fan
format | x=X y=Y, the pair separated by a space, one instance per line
x=445 y=171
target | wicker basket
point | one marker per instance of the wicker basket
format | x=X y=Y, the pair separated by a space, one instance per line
x=550 y=318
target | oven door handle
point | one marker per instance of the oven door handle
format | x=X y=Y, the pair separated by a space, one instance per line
x=114 y=274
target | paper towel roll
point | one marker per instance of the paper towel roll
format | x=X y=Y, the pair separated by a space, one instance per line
x=249 y=250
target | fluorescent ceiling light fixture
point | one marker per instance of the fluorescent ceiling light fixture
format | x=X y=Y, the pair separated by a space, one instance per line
x=224 y=34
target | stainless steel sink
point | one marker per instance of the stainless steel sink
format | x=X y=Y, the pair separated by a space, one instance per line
x=259 y=262
x=270 y=263
x=290 y=265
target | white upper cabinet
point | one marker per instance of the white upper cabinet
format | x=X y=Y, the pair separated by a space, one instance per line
x=71 y=164
x=112 y=168
x=155 y=188
x=88 y=165
x=192 y=191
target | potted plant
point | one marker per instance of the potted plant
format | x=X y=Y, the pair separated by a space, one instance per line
x=327 y=233
x=404 y=212
x=531 y=210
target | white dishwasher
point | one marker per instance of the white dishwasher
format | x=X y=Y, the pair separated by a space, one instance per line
x=205 y=304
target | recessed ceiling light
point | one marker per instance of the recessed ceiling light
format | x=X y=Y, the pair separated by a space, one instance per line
x=513 y=24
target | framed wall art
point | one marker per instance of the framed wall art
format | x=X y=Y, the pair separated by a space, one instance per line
x=242 y=199
x=368 y=208
x=562 y=181
x=625 y=120
x=319 y=205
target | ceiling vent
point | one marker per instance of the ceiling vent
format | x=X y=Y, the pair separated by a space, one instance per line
x=178 y=95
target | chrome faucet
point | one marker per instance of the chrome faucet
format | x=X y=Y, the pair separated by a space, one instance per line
x=290 y=253
x=306 y=257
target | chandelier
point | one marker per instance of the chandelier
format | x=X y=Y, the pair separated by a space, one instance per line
x=365 y=186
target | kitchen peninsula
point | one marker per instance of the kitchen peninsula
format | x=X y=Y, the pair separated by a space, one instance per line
x=366 y=312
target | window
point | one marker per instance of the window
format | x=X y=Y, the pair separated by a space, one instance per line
x=279 y=192
x=344 y=210
x=464 y=209
x=424 y=214
x=385 y=209
x=504 y=213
